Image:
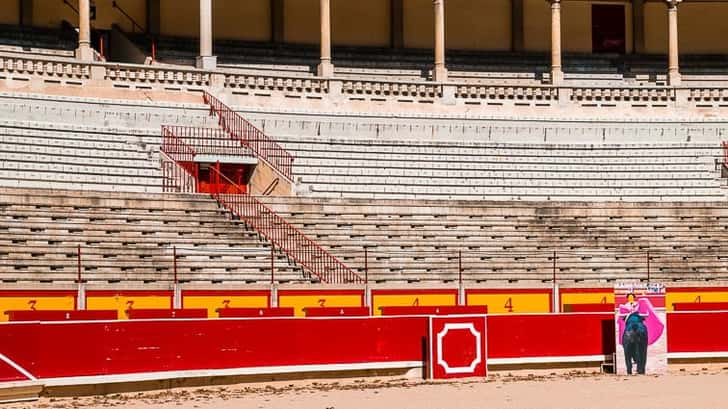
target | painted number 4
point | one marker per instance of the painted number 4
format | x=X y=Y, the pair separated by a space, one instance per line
x=508 y=305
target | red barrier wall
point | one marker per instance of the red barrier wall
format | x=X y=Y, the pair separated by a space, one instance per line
x=588 y=307
x=523 y=336
x=9 y=374
x=50 y=350
x=137 y=314
x=436 y=310
x=700 y=306
x=697 y=332
x=337 y=312
x=73 y=315
x=63 y=349
x=255 y=312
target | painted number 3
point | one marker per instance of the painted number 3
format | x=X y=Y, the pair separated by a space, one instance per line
x=32 y=304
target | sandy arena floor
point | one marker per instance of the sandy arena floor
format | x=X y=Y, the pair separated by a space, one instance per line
x=702 y=389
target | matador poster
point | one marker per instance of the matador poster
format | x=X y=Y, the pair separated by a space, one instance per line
x=641 y=328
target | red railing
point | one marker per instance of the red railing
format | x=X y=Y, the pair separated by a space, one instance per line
x=283 y=235
x=175 y=153
x=175 y=178
x=202 y=141
x=262 y=146
x=175 y=147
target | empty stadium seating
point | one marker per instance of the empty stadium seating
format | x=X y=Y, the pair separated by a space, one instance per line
x=414 y=201
x=128 y=237
x=417 y=63
x=476 y=171
x=420 y=240
x=38 y=40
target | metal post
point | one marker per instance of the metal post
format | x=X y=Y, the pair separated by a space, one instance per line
x=272 y=262
x=78 y=273
x=174 y=263
x=554 y=268
x=648 y=266
x=366 y=266
x=460 y=267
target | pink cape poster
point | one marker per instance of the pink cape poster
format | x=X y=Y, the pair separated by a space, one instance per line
x=641 y=333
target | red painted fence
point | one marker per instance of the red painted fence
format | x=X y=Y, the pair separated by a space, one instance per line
x=49 y=350
x=59 y=315
x=550 y=335
x=697 y=332
x=68 y=349
x=259 y=143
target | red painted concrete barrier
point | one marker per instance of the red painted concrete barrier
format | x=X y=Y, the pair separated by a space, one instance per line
x=596 y=307
x=700 y=306
x=337 y=311
x=697 y=332
x=550 y=335
x=59 y=315
x=255 y=312
x=436 y=310
x=137 y=314
x=51 y=350
x=457 y=347
x=71 y=349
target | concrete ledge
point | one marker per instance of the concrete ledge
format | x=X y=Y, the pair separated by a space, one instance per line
x=104 y=384
x=21 y=391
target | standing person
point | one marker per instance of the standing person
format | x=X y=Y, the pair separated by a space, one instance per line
x=634 y=333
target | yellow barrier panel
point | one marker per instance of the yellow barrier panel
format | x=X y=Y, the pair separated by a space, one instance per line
x=33 y=302
x=124 y=302
x=694 y=296
x=307 y=299
x=214 y=302
x=511 y=302
x=411 y=299
x=587 y=297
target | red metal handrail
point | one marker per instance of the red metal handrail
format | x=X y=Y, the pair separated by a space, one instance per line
x=200 y=141
x=175 y=147
x=285 y=236
x=262 y=145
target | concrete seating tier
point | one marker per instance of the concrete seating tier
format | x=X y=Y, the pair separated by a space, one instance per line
x=474 y=171
x=409 y=240
x=34 y=155
x=128 y=237
x=102 y=113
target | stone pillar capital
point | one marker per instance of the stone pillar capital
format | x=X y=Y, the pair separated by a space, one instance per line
x=673 y=3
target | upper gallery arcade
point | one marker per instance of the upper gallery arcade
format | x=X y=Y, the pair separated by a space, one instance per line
x=556 y=26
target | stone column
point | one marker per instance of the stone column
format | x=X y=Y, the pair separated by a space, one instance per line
x=439 y=73
x=673 y=66
x=557 y=75
x=517 y=25
x=397 y=23
x=325 y=67
x=276 y=21
x=84 y=51
x=154 y=16
x=638 y=26
x=26 y=13
x=206 y=60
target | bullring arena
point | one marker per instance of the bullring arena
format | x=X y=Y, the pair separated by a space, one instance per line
x=338 y=204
